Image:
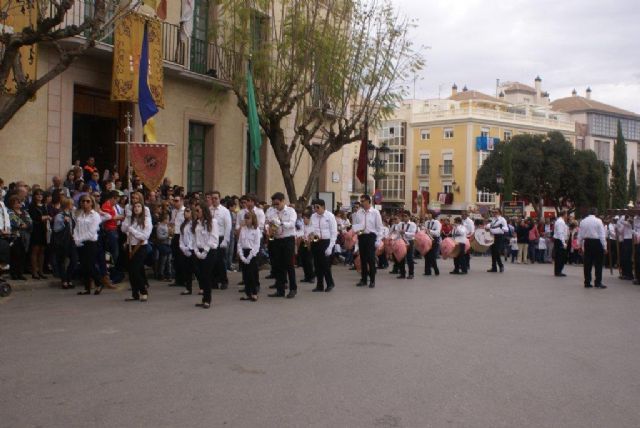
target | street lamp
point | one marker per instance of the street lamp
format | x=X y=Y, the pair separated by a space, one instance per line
x=378 y=157
x=500 y=183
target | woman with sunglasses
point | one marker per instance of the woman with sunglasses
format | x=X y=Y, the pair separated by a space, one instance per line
x=205 y=241
x=137 y=227
x=85 y=236
x=185 y=244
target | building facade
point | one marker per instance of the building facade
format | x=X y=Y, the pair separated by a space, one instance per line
x=73 y=117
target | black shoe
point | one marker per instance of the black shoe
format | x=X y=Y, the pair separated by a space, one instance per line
x=427 y=274
x=401 y=277
x=464 y=272
x=317 y=290
x=277 y=294
x=173 y=284
x=41 y=276
x=199 y=305
x=561 y=274
x=270 y=276
x=273 y=287
x=602 y=286
x=501 y=269
x=21 y=278
x=372 y=284
x=98 y=290
x=84 y=293
x=588 y=286
x=437 y=272
x=328 y=289
x=241 y=283
x=492 y=270
x=394 y=272
x=215 y=287
x=410 y=277
x=292 y=294
x=454 y=272
x=361 y=284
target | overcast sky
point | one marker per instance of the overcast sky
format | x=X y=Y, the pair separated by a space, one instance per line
x=569 y=43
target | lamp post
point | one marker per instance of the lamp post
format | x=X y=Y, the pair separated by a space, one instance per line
x=377 y=157
x=500 y=183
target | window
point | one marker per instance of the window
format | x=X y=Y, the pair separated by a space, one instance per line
x=484 y=132
x=395 y=161
x=447 y=188
x=199 y=42
x=423 y=168
x=486 y=197
x=602 y=150
x=506 y=136
x=448 y=133
x=423 y=186
x=607 y=126
x=580 y=145
x=393 y=133
x=425 y=134
x=482 y=156
x=392 y=187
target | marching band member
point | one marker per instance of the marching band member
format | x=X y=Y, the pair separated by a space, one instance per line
x=460 y=236
x=625 y=234
x=251 y=202
x=281 y=228
x=368 y=224
x=636 y=243
x=471 y=228
x=408 y=233
x=175 y=224
x=560 y=236
x=205 y=242
x=433 y=228
x=85 y=235
x=138 y=228
x=612 y=240
x=592 y=241
x=498 y=227
x=325 y=228
x=305 y=236
x=185 y=244
x=248 y=248
x=221 y=215
x=383 y=263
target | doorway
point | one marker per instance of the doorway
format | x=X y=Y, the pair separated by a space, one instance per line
x=195 y=172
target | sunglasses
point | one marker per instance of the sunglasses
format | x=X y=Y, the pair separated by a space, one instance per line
x=84 y=201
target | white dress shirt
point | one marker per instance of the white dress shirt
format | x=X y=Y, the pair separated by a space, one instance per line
x=591 y=227
x=87 y=227
x=434 y=227
x=186 y=240
x=205 y=240
x=560 y=230
x=460 y=234
x=177 y=218
x=223 y=216
x=325 y=227
x=498 y=226
x=136 y=234
x=407 y=230
x=636 y=226
x=259 y=212
x=611 y=231
x=368 y=221
x=285 y=219
x=343 y=224
x=249 y=239
x=5 y=220
x=625 y=229
x=468 y=224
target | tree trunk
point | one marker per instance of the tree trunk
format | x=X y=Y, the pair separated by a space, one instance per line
x=277 y=141
x=314 y=175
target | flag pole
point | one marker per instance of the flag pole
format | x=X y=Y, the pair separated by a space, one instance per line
x=128 y=131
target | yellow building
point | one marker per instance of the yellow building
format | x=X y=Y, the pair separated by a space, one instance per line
x=438 y=145
x=73 y=118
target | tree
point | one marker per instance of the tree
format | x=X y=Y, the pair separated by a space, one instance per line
x=633 y=187
x=44 y=24
x=327 y=68
x=619 y=190
x=507 y=173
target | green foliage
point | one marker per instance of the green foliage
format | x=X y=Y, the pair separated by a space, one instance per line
x=547 y=168
x=619 y=190
x=507 y=173
x=633 y=187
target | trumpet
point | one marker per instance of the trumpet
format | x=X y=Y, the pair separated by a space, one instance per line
x=273 y=229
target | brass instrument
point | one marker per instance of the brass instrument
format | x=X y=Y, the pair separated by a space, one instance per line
x=272 y=229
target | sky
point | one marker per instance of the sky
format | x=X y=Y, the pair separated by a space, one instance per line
x=568 y=43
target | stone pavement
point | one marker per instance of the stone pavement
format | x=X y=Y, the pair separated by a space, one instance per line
x=519 y=349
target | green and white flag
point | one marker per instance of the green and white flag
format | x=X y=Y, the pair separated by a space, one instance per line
x=254 y=122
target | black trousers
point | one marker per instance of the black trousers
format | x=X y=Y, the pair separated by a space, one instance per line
x=367 y=248
x=460 y=262
x=17 y=257
x=637 y=262
x=496 y=252
x=220 y=270
x=613 y=253
x=408 y=260
x=431 y=258
x=559 y=256
x=322 y=263
x=136 y=272
x=205 y=275
x=283 y=250
x=188 y=267
x=178 y=260
x=250 y=274
x=87 y=254
x=626 y=248
x=306 y=261
x=593 y=258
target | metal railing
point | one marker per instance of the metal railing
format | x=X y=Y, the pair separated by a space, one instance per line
x=422 y=170
x=486 y=198
x=446 y=170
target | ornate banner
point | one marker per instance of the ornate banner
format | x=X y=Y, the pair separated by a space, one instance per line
x=127 y=48
x=149 y=161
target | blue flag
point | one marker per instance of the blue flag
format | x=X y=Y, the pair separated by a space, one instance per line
x=146 y=104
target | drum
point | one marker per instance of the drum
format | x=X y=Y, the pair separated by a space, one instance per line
x=482 y=241
x=423 y=242
x=380 y=249
x=447 y=246
x=399 y=248
x=388 y=250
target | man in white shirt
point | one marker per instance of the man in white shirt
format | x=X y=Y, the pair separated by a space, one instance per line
x=636 y=243
x=498 y=227
x=325 y=228
x=471 y=228
x=434 y=229
x=281 y=224
x=179 y=259
x=612 y=240
x=408 y=231
x=367 y=223
x=592 y=240
x=221 y=215
x=560 y=237
x=625 y=236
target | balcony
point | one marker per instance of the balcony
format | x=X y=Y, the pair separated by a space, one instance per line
x=446 y=170
x=422 y=171
x=191 y=56
x=486 y=198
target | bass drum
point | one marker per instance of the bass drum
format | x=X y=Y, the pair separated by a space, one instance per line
x=482 y=241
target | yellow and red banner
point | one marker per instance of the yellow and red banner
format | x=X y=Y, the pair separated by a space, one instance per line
x=149 y=161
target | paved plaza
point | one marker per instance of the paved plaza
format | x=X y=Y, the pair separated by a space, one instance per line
x=519 y=349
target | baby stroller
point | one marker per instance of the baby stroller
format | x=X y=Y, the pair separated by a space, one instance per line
x=5 y=247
